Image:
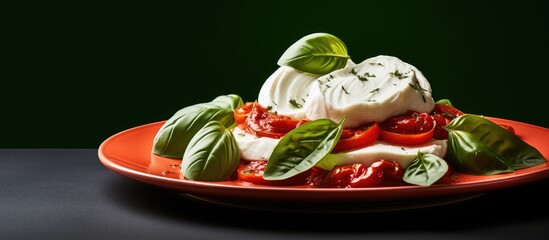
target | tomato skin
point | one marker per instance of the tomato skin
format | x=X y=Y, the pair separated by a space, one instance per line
x=440 y=133
x=408 y=123
x=443 y=115
x=357 y=138
x=257 y=120
x=380 y=173
x=447 y=111
x=252 y=172
x=408 y=129
x=341 y=176
x=241 y=112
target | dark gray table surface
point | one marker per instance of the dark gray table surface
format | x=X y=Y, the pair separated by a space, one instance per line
x=68 y=193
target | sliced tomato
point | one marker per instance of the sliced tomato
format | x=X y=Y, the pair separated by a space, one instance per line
x=241 y=113
x=447 y=111
x=258 y=120
x=406 y=139
x=380 y=173
x=443 y=115
x=354 y=138
x=252 y=172
x=409 y=129
x=439 y=132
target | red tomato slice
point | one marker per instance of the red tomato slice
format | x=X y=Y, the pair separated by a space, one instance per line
x=406 y=139
x=252 y=172
x=357 y=138
x=443 y=115
x=409 y=129
x=241 y=113
x=446 y=111
x=439 y=132
x=259 y=121
x=380 y=173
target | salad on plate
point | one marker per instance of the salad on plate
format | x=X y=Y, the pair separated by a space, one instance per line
x=322 y=120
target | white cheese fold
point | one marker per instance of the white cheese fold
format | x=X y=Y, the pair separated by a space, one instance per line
x=286 y=91
x=373 y=90
x=260 y=148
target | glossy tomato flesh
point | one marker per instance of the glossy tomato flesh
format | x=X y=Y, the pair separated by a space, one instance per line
x=443 y=115
x=259 y=121
x=355 y=138
x=412 y=128
x=380 y=173
x=252 y=172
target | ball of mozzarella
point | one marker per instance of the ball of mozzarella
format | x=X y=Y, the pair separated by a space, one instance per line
x=373 y=90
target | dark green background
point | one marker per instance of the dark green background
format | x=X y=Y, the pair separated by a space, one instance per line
x=75 y=72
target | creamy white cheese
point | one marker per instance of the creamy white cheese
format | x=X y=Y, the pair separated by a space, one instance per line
x=286 y=91
x=373 y=90
x=286 y=84
x=260 y=148
x=403 y=155
x=252 y=147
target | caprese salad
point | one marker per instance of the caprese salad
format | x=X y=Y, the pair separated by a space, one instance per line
x=322 y=120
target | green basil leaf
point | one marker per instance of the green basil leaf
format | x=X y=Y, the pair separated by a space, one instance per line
x=317 y=53
x=470 y=155
x=174 y=136
x=231 y=101
x=445 y=102
x=516 y=152
x=212 y=154
x=425 y=170
x=303 y=147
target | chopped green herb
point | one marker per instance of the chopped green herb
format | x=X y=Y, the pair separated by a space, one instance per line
x=361 y=78
x=367 y=74
x=295 y=103
x=375 y=90
x=269 y=108
x=322 y=82
x=371 y=100
x=418 y=88
x=241 y=134
x=375 y=64
x=398 y=74
x=344 y=90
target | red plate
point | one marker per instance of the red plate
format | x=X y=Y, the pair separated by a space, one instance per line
x=129 y=153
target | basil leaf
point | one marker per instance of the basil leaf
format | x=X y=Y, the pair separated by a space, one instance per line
x=470 y=155
x=301 y=148
x=425 y=170
x=174 y=136
x=231 y=101
x=445 y=102
x=517 y=153
x=317 y=53
x=212 y=154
